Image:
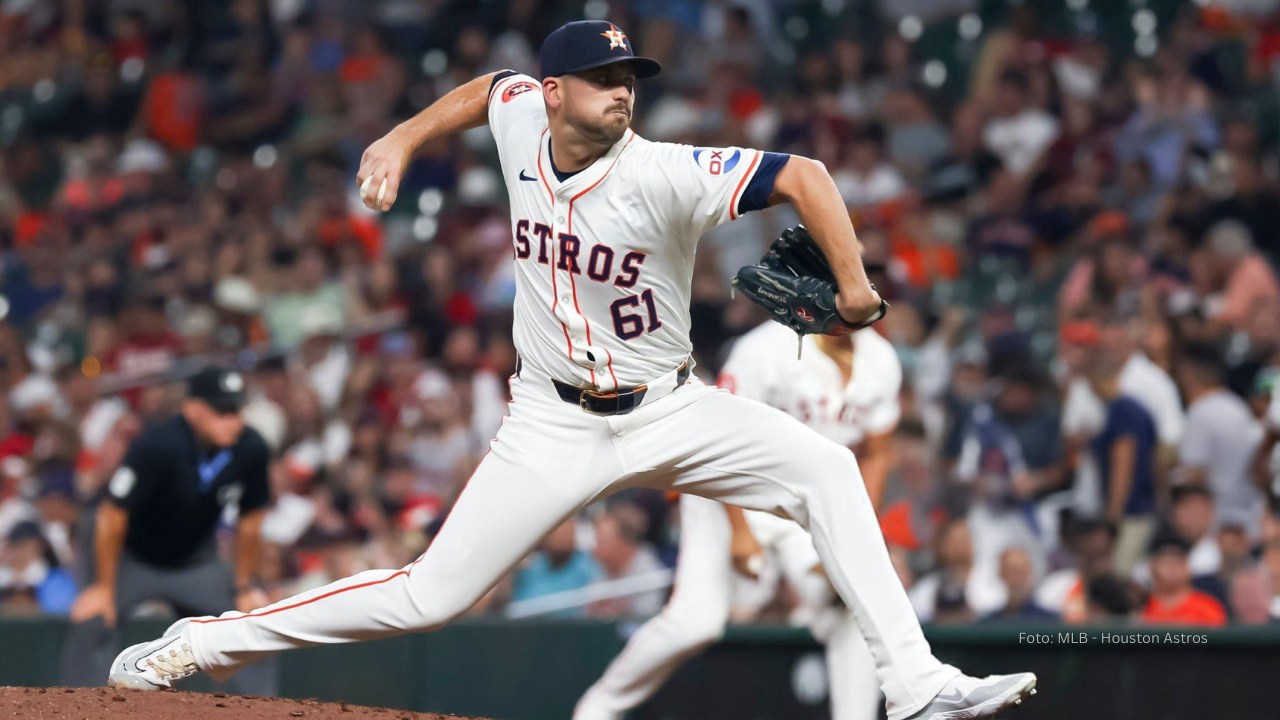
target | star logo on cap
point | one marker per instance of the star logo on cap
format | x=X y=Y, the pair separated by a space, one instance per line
x=617 y=38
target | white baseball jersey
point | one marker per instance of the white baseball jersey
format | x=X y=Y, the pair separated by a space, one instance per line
x=604 y=260
x=763 y=366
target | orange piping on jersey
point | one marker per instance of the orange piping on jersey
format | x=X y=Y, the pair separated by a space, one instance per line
x=733 y=202
x=541 y=176
x=339 y=591
x=608 y=354
x=602 y=177
x=611 y=373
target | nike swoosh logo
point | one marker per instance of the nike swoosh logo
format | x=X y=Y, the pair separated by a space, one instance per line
x=528 y=179
x=137 y=663
x=955 y=696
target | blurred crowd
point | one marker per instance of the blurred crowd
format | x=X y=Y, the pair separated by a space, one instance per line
x=1070 y=208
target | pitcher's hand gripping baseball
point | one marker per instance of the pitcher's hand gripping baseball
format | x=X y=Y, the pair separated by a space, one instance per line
x=381 y=169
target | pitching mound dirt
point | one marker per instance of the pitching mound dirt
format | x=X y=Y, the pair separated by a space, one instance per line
x=20 y=703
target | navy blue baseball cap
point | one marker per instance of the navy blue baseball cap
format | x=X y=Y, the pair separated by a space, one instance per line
x=579 y=46
x=222 y=389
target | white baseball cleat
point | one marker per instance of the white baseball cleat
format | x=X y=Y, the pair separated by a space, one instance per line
x=967 y=697
x=156 y=664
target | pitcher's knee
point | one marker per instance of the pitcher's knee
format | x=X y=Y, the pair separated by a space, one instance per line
x=434 y=618
x=436 y=611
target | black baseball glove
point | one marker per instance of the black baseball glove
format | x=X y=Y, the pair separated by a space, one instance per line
x=794 y=282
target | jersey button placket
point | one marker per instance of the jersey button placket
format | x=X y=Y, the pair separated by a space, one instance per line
x=575 y=322
x=564 y=283
x=566 y=290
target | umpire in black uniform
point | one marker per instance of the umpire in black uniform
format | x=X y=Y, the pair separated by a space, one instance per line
x=154 y=534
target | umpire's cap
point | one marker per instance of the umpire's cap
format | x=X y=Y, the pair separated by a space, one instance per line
x=219 y=388
x=579 y=46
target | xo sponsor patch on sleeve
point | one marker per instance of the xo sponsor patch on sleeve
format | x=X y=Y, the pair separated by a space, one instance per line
x=717 y=161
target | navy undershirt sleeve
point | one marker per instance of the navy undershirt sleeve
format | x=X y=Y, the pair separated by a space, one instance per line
x=756 y=196
x=502 y=75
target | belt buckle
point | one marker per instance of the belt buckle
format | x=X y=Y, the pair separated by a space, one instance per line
x=585 y=393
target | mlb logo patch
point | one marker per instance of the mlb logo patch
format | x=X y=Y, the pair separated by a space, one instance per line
x=717 y=161
x=516 y=89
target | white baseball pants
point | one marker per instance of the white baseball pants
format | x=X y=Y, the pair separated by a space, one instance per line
x=700 y=606
x=549 y=460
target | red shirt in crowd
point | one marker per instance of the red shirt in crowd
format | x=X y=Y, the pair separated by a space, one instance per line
x=1196 y=608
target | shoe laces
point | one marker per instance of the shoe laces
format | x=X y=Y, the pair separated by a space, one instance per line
x=177 y=663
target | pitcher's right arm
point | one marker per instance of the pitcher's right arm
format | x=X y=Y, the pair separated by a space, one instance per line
x=462 y=108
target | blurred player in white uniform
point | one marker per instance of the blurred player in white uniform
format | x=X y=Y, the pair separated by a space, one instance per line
x=845 y=388
x=604 y=229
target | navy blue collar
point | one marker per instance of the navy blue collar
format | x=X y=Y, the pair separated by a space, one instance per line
x=560 y=176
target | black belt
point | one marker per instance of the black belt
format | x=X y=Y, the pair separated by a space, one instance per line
x=619 y=402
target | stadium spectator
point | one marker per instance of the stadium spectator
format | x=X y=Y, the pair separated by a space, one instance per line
x=1124 y=452
x=1173 y=598
x=1010 y=456
x=1019 y=579
x=1084 y=413
x=1236 y=550
x=1220 y=441
x=915 y=140
x=1020 y=132
x=1108 y=600
x=1192 y=519
x=1171 y=120
x=1251 y=598
x=622 y=553
x=1068 y=591
x=866 y=178
x=557 y=566
x=1108 y=275
x=442 y=449
x=1241 y=277
x=32 y=581
x=952 y=592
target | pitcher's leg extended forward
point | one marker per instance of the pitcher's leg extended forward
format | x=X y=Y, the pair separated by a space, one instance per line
x=742 y=452
x=693 y=619
x=503 y=513
x=548 y=460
